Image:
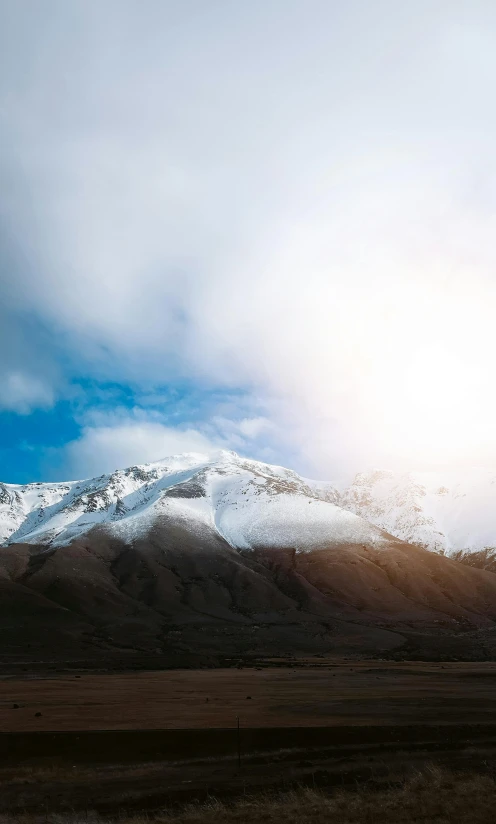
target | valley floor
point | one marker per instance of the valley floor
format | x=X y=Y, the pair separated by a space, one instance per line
x=139 y=743
x=366 y=783
x=303 y=693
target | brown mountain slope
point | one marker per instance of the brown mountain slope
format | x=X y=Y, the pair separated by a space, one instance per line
x=190 y=599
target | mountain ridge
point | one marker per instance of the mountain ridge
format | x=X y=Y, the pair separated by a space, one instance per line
x=448 y=512
x=197 y=557
x=248 y=501
x=451 y=512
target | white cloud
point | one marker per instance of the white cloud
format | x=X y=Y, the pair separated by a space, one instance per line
x=254 y=427
x=20 y=392
x=105 y=448
x=297 y=201
x=241 y=432
x=122 y=437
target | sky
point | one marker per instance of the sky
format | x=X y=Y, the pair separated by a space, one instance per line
x=263 y=226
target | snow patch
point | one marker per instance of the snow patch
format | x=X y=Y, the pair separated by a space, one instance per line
x=249 y=503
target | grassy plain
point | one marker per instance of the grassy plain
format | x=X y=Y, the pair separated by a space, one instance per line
x=171 y=740
x=307 y=694
x=433 y=796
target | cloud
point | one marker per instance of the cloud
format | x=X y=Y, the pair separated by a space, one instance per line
x=105 y=448
x=309 y=223
x=254 y=427
x=119 y=437
x=243 y=429
x=22 y=393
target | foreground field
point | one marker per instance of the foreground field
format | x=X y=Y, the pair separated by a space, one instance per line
x=325 y=695
x=433 y=797
x=153 y=740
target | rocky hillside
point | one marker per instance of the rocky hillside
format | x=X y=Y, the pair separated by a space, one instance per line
x=247 y=503
x=197 y=559
x=451 y=512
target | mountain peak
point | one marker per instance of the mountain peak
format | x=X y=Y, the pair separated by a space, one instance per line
x=445 y=511
x=247 y=503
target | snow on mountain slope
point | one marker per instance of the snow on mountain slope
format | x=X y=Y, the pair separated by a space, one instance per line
x=444 y=512
x=250 y=504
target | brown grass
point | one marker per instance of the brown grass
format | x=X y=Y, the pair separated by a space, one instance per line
x=351 y=693
x=432 y=797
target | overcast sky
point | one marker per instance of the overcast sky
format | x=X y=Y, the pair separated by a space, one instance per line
x=262 y=225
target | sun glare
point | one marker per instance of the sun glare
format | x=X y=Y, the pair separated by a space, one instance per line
x=436 y=412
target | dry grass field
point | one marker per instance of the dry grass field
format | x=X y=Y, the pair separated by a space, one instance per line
x=325 y=695
x=367 y=725
x=432 y=797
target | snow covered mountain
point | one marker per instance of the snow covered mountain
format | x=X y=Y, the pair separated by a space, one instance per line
x=248 y=503
x=198 y=557
x=251 y=504
x=445 y=512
